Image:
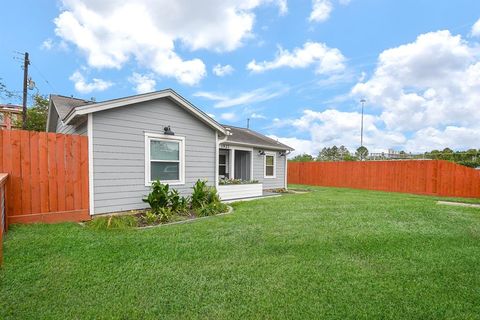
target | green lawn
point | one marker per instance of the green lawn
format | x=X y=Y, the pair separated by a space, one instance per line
x=331 y=254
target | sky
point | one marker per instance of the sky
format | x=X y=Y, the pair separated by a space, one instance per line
x=296 y=69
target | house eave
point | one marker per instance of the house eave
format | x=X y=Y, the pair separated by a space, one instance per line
x=258 y=146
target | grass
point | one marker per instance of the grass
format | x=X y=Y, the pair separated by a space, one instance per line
x=331 y=253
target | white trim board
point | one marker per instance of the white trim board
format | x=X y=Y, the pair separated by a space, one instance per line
x=91 y=189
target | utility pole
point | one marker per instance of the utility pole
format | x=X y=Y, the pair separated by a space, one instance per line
x=361 y=130
x=248 y=123
x=26 y=62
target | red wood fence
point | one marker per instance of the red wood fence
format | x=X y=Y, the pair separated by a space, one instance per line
x=429 y=177
x=48 y=176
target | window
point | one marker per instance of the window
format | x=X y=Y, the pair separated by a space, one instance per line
x=270 y=164
x=164 y=159
x=222 y=164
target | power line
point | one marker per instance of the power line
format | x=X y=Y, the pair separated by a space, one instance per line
x=43 y=77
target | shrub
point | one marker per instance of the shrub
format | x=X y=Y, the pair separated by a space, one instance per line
x=203 y=195
x=159 y=197
x=179 y=204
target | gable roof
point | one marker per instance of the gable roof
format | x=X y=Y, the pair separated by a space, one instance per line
x=249 y=137
x=87 y=108
x=71 y=109
x=64 y=105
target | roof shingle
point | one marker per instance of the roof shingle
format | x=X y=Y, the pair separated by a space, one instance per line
x=65 y=104
x=247 y=136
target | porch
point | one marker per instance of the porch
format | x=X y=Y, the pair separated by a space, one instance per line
x=236 y=163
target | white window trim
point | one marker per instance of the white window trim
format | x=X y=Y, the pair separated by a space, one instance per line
x=160 y=137
x=274 y=154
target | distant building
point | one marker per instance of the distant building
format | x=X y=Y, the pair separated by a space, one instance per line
x=9 y=115
x=390 y=155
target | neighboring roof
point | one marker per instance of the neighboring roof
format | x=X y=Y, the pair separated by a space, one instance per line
x=249 y=137
x=91 y=107
x=64 y=105
x=10 y=108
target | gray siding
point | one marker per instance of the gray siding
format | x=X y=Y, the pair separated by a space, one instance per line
x=258 y=170
x=119 y=155
x=80 y=129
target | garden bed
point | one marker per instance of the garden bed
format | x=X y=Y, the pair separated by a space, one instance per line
x=166 y=206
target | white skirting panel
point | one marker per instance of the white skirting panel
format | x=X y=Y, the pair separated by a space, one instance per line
x=238 y=191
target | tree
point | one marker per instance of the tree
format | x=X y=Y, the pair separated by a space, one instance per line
x=362 y=153
x=36 y=114
x=344 y=154
x=5 y=93
x=303 y=158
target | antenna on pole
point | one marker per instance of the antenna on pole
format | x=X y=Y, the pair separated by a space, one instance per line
x=248 y=123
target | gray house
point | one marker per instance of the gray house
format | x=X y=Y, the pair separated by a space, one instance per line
x=160 y=135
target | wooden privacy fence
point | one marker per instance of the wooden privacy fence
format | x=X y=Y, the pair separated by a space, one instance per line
x=48 y=176
x=429 y=177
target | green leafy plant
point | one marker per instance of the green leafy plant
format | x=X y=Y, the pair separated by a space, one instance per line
x=199 y=194
x=203 y=195
x=183 y=206
x=164 y=214
x=150 y=217
x=211 y=209
x=236 y=181
x=159 y=197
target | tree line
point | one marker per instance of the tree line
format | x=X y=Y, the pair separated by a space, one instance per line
x=469 y=158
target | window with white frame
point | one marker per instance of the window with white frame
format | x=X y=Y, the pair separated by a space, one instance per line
x=270 y=165
x=164 y=159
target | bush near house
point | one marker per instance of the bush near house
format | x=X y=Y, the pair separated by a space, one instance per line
x=166 y=205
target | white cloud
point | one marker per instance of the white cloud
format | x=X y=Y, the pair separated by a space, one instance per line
x=257 y=116
x=82 y=86
x=229 y=116
x=143 y=83
x=476 y=29
x=333 y=127
x=326 y=60
x=321 y=10
x=110 y=33
x=282 y=6
x=221 y=71
x=459 y=138
x=429 y=88
x=426 y=95
x=301 y=146
x=47 y=44
x=244 y=98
